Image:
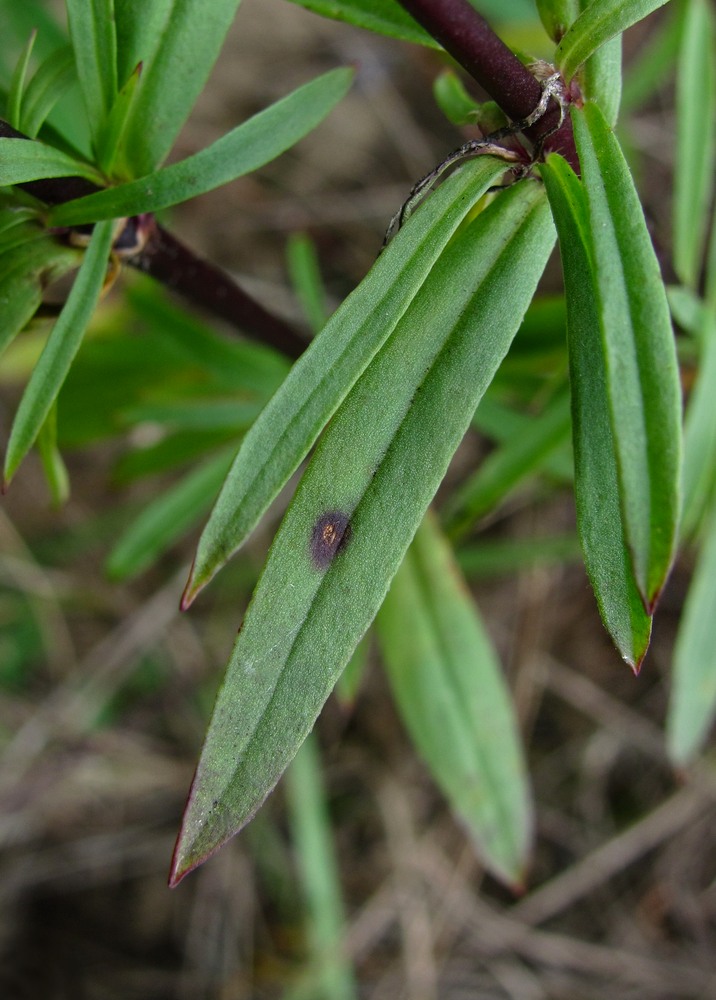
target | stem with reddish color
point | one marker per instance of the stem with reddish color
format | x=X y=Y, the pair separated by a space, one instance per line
x=176 y=266
x=470 y=40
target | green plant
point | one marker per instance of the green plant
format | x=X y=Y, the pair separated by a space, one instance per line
x=432 y=339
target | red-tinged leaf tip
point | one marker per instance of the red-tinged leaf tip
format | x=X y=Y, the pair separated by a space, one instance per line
x=190 y=591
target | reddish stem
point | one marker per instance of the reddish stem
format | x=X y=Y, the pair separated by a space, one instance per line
x=470 y=40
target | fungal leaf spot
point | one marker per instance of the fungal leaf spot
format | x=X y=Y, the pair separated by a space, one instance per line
x=330 y=534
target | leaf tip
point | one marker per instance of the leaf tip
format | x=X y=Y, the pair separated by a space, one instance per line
x=190 y=591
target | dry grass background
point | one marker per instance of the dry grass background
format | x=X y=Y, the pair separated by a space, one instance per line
x=99 y=745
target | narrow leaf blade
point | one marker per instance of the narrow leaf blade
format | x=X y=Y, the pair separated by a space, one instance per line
x=695 y=138
x=178 y=42
x=693 y=694
x=599 y=514
x=600 y=21
x=642 y=377
x=60 y=349
x=319 y=381
x=247 y=147
x=310 y=609
x=385 y=17
x=94 y=40
x=22 y=160
x=450 y=692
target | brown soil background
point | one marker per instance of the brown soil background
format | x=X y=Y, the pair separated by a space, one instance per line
x=621 y=901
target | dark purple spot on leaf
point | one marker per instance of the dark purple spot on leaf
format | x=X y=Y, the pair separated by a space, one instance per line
x=330 y=534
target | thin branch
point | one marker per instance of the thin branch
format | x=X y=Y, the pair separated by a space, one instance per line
x=176 y=266
x=470 y=40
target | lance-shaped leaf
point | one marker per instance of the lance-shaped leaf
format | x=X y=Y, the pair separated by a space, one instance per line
x=47 y=87
x=596 y=486
x=178 y=42
x=522 y=455
x=24 y=273
x=699 y=476
x=167 y=518
x=600 y=21
x=642 y=378
x=247 y=147
x=94 y=41
x=450 y=692
x=695 y=138
x=22 y=161
x=693 y=694
x=60 y=349
x=386 y=17
x=356 y=509
x=319 y=381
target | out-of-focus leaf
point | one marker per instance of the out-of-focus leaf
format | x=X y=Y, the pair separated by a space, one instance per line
x=504 y=468
x=167 y=518
x=196 y=415
x=52 y=464
x=642 y=378
x=330 y=366
x=24 y=273
x=451 y=695
x=386 y=17
x=503 y=424
x=17 y=83
x=357 y=507
x=178 y=42
x=94 y=41
x=22 y=160
x=348 y=684
x=329 y=970
x=693 y=693
x=695 y=138
x=654 y=64
x=557 y=16
x=62 y=345
x=700 y=433
x=48 y=85
x=597 y=492
x=600 y=21
x=453 y=100
x=487 y=558
x=247 y=147
x=306 y=279
x=172 y=451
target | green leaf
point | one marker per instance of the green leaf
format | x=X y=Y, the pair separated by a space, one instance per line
x=452 y=98
x=94 y=41
x=247 y=147
x=319 y=381
x=601 y=78
x=22 y=160
x=642 y=377
x=653 y=66
x=178 y=42
x=24 y=274
x=557 y=16
x=450 y=692
x=17 y=83
x=695 y=139
x=49 y=84
x=699 y=475
x=488 y=558
x=600 y=21
x=167 y=518
x=386 y=17
x=506 y=467
x=305 y=273
x=60 y=349
x=373 y=474
x=52 y=464
x=693 y=694
x=597 y=491
x=111 y=149
x=328 y=969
